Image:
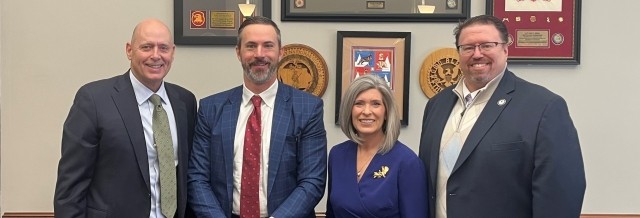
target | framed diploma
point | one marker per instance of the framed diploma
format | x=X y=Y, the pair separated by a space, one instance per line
x=385 y=54
x=375 y=10
x=540 y=31
x=211 y=22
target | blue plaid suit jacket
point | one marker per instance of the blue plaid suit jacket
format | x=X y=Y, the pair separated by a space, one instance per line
x=297 y=156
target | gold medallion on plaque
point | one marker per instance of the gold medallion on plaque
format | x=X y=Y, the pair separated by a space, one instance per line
x=303 y=68
x=440 y=70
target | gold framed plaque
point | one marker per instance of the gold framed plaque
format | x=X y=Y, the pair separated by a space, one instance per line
x=303 y=68
x=223 y=19
x=212 y=22
x=440 y=70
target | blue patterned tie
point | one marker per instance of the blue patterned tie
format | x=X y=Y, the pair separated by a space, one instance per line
x=164 y=147
x=467 y=100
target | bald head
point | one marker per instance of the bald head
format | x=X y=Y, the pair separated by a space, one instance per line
x=151 y=25
x=151 y=52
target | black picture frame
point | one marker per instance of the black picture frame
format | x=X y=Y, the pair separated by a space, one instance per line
x=184 y=34
x=550 y=36
x=392 y=45
x=373 y=11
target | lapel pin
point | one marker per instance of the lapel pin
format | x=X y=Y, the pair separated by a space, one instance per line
x=502 y=102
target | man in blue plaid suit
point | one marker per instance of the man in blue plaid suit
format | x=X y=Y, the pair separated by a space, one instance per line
x=293 y=139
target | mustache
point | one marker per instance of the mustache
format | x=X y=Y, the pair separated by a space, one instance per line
x=260 y=61
x=479 y=60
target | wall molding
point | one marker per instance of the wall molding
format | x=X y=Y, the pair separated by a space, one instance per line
x=27 y=214
x=319 y=215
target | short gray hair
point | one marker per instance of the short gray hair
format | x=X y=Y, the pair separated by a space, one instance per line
x=391 y=125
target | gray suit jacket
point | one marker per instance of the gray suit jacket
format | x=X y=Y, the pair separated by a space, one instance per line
x=104 y=171
x=521 y=159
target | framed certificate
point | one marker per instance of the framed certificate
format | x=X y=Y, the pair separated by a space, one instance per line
x=211 y=22
x=376 y=10
x=385 y=54
x=540 y=31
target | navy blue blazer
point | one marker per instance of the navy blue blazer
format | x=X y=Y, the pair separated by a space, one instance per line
x=104 y=168
x=297 y=155
x=401 y=193
x=521 y=159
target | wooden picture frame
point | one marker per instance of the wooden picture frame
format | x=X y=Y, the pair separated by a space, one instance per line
x=386 y=54
x=540 y=31
x=212 y=22
x=375 y=10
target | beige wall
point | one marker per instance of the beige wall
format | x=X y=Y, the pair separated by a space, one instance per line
x=50 y=48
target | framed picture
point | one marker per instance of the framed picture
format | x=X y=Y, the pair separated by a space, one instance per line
x=376 y=10
x=385 y=54
x=540 y=31
x=210 y=22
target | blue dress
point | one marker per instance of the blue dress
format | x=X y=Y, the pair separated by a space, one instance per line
x=402 y=192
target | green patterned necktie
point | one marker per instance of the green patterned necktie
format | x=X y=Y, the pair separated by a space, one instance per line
x=164 y=147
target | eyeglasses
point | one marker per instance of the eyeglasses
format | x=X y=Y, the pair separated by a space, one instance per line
x=484 y=47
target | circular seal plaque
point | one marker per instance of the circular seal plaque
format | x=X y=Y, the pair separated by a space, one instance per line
x=303 y=68
x=440 y=70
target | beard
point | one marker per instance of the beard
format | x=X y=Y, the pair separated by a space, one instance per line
x=484 y=79
x=259 y=76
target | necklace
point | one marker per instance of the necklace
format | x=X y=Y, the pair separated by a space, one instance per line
x=359 y=173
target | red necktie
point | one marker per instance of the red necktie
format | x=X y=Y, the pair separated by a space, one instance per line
x=249 y=196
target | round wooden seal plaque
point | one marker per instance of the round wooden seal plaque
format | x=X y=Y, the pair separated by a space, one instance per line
x=303 y=68
x=440 y=70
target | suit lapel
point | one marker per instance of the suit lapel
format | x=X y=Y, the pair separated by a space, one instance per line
x=488 y=117
x=440 y=115
x=280 y=125
x=229 y=121
x=180 y=116
x=125 y=100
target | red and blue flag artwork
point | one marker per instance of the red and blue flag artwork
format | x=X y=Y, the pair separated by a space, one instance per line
x=373 y=60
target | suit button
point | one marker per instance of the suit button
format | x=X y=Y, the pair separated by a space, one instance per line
x=452 y=194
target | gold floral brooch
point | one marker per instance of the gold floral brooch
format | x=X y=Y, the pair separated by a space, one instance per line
x=382 y=173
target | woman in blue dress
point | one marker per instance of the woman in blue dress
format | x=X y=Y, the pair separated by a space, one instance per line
x=373 y=174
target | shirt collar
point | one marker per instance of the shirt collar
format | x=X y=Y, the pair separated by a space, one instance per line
x=481 y=95
x=143 y=93
x=268 y=96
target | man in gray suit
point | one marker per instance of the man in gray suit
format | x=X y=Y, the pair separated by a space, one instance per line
x=495 y=145
x=109 y=165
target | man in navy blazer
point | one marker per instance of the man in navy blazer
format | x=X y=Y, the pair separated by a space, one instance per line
x=109 y=164
x=495 y=145
x=293 y=139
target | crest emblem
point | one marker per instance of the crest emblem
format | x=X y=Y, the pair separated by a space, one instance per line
x=440 y=70
x=303 y=68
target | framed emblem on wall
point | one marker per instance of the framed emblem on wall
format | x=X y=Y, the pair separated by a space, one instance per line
x=386 y=54
x=211 y=22
x=540 y=31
